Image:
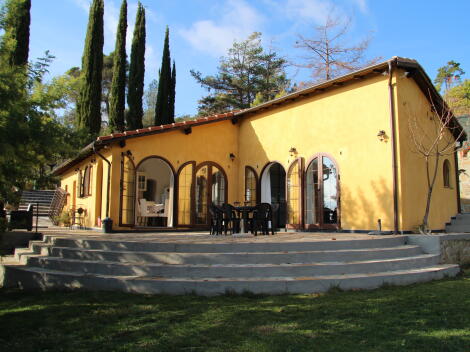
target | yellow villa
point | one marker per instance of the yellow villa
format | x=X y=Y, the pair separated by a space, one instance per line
x=336 y=156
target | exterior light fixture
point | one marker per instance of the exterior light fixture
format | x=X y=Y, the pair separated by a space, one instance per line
x=292 y=151
x=381 y=135
x=232 y=156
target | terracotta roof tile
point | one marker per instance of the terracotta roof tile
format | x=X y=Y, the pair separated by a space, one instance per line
x=169 y=126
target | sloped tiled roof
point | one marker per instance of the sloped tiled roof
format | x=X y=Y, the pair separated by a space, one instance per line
x=412 y=67
x=169 y=127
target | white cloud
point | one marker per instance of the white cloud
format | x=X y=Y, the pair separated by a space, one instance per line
x=83 y=4
x=237 y=21
x=362 y=4
x=315 y=10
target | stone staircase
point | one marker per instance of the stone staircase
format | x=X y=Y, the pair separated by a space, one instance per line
x=42 y=198
x=220 y=268
x=459 y=223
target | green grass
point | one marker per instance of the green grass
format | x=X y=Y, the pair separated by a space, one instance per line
x=427 y=317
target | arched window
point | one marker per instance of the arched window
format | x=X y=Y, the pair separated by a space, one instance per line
x=446 y=173
x=80 y=184
x=218 y=186
x=251 y=180
x=86 y=187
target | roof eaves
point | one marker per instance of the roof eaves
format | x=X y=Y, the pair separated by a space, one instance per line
x=82 y=155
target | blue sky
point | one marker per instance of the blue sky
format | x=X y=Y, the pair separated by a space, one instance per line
x=432 y=32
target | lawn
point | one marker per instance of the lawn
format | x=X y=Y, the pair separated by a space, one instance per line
x=426 y=317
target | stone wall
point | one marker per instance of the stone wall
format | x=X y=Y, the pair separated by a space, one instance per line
x=464 y=178
x=455 y=251
x=453 y=248
x=464 y=166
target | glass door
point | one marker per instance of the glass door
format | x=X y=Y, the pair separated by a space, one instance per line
x=211 y=187
x=294 y=181
x=202 y=192
x=321 y=191
x=278 y=194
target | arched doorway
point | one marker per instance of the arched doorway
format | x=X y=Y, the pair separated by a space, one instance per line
x=273 y=191
x=321 y=194
x=154 y=192
x=210 y=187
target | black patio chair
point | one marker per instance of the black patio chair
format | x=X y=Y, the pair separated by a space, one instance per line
x=262 y=219
x=231 y=219
x=272 y=223
x=217 y=220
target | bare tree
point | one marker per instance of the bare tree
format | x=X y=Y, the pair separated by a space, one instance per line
x=327 y=55
x=433 y=138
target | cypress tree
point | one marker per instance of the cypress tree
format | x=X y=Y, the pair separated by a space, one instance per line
x=89 y=104
x=15 y=41
x=117 y=100
x=171 y=103
x=137 y=72
x=162 y=109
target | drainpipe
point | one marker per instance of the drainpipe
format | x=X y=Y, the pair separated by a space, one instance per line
x=109 y=178
x=394 y=147
x=457 y=178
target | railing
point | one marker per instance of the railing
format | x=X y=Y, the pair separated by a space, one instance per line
x=57 y=204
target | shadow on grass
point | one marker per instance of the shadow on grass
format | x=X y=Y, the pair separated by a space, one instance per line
x=431 y=317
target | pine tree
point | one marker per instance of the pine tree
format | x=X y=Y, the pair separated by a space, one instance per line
x=248 y=74
x=118 y=86
x=137 y=72
x=15 y=41
x=171 y=103
x=89 y=105
x=162 y=109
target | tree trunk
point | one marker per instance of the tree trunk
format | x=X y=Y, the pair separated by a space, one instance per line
x=425 y=226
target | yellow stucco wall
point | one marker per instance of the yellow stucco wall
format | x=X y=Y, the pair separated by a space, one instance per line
x=94 y=204
x=412 y=171
x=342 y=122
x=212 y=142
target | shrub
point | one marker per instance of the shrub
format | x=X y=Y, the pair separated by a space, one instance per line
x=65 y=218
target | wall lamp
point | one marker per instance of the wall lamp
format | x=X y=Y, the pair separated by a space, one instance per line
x=381 y=135
x=293 y=151
x=231 y=156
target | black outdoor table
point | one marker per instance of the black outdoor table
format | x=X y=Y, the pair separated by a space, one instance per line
x=244 y=211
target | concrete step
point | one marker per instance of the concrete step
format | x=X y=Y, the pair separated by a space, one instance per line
x=42 y=202
x=210 y=258
x=462 y=216
x=37 y=194
x=457 y=228
x=459 y=223
x=36 y=199
x=234 y=247
x=231 y=270
x=39 y=278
